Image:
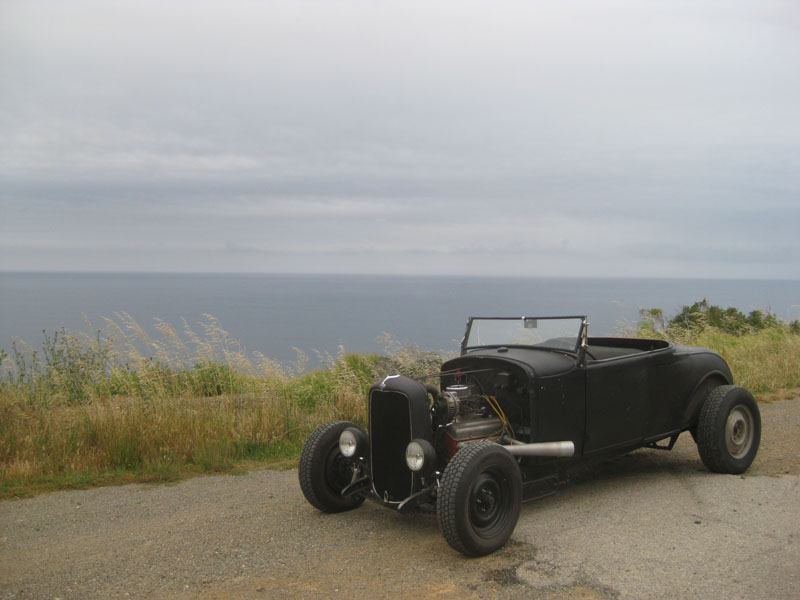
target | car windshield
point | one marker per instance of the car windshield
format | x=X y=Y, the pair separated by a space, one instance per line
x=559 y=333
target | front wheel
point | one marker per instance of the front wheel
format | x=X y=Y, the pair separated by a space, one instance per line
x=324 y=472
x=729 y=430
x=479 y=499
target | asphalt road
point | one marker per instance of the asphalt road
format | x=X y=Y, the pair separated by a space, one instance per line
x=648 y=525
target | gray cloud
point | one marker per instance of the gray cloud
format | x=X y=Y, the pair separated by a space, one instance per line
x=513 y=137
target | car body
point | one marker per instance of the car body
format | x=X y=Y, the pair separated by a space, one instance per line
x=527 y=399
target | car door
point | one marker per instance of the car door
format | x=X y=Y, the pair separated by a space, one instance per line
x=616 y=402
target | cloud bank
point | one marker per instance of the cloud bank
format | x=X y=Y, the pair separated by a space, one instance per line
x=526 y=138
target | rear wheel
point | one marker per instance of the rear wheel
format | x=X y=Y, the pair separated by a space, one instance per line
x=729 y=430
x=480 y=498
x=324 y=472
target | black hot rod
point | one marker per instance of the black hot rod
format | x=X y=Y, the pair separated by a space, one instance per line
x=526 y=399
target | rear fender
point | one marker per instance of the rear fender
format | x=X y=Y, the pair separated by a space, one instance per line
x=700 y=393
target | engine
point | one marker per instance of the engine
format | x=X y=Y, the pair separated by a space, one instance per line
x=468 y=416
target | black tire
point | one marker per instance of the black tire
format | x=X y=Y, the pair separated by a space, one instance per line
x=729 y=430
x=479 y=499
x=324 y=472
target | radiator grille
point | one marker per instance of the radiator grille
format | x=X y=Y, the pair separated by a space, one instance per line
x=390 y=433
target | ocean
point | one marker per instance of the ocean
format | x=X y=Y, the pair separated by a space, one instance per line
x=273 y=314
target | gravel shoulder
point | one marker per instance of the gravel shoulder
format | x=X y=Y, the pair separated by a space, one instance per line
x=649 y=521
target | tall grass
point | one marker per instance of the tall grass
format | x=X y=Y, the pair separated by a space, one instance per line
x=122 y=359
x=762 y=351
x=123 y=403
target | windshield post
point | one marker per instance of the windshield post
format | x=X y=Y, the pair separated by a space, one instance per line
x=466 y=336
x=584 y=343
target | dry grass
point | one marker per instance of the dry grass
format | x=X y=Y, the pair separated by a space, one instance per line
x=123 y=405
x=160 y=436
x=765 y=362
x=82 y=410
x=762 y=352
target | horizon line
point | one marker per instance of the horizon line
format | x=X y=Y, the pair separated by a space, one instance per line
x=383 y=274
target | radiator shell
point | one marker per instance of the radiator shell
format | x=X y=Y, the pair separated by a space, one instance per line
x=399 y=411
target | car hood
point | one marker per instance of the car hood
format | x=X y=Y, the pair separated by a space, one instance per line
x=543 y=363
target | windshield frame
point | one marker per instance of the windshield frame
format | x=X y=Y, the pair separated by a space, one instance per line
x=580 y=342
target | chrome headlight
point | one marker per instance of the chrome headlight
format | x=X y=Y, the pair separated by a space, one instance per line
x=420 y=456
x=348 y=444
x=353 y=442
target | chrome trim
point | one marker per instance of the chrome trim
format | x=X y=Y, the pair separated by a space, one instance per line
x=387 y=378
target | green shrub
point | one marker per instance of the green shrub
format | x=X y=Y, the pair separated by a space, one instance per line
x=701 y=315
x=762 y=351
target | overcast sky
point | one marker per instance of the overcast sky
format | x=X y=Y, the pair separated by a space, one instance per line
x=586 y=138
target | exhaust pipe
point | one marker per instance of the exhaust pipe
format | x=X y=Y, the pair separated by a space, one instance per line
x=542 y=449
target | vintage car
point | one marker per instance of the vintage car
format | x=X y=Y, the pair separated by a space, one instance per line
x=526 y=400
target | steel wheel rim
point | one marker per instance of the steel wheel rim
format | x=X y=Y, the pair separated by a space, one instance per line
x=739 y=431
x=488 y=503
x=338 y=470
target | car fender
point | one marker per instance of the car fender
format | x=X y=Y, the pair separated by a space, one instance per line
x=701 y=391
